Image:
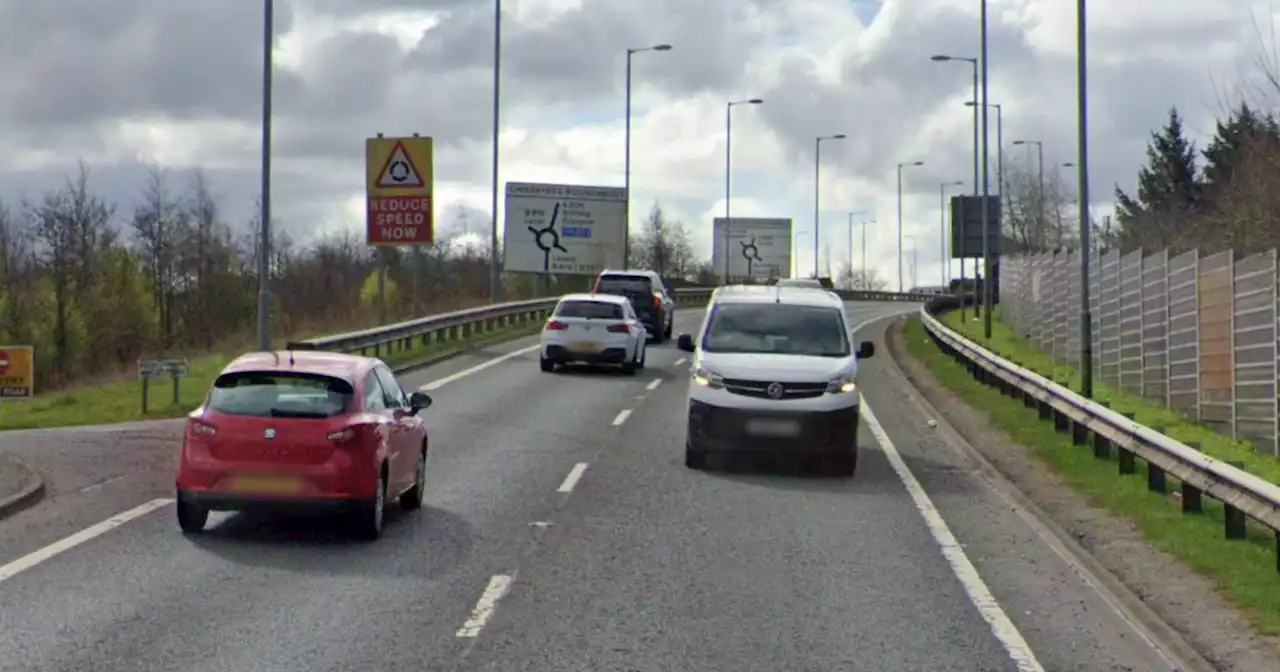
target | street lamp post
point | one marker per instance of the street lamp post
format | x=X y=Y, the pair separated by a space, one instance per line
x=942 y=226
x=495 y=277
x=999 y=147
x=817 y=165
x=913 y=259
x=728 y=144
x=795 y=245
x=977 y=179
x=1040 y=199
x=864 y=240
x=626 y=251
x=264 y=200
x=988 y=282
x=1082 y=172
x=900 y=167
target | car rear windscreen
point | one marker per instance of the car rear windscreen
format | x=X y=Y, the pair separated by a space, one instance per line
x=592 y=310
x=277 y=394
x=625 y=283
x=777 y=328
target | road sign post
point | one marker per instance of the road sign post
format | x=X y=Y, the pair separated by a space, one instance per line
x=157 y=369
x=561 y=229
x=758 y=248
x=399 y=176
x=17 y=372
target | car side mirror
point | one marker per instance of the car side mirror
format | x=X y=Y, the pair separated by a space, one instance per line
x=419 y=401
x=866 y=350
x=685 y=343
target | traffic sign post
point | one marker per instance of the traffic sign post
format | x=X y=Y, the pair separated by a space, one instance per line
x=399 y=179
x=17 y=372
x=155 y=369
x=561 y=229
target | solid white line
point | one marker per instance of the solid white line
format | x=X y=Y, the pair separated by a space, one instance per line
x=575 y=475
x=35 y=558
x=437 y=384
x=1001 y=626
x=654 y=384
x=488 y=602
x=680 y=361
x=622 y=417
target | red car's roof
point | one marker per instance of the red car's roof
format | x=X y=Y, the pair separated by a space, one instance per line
x=336 y=364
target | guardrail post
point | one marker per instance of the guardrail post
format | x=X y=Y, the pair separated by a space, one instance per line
x=1061 y=422
x=1192 y=498
x=1079 y=433
x=1046 y=411
x=1125 y=456
x=1101 y=444
x=1233 y=519
x=1155 y=475
x=453 y=333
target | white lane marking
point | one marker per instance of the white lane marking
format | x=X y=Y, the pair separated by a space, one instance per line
x=653 y=385
x=437 y=384
x=1001 y=626
x=575 y=475
x=485 y=606
x=58 y=547
x=680 y=361
x=622 y=417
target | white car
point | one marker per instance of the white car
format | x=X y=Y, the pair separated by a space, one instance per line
x=594 y=329
x=775 y=370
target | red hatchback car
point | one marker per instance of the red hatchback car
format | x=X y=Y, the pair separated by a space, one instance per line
x=301 y=430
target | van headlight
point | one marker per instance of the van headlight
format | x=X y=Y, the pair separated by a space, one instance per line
x=706 y=378
x=846 y=384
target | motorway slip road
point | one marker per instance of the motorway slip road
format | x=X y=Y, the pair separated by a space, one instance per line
x=562 y=532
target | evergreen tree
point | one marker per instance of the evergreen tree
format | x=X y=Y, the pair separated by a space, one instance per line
x=1168 y=186
x=1245 y=129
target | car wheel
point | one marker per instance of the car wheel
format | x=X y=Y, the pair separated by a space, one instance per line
x=670 y=327
x=694 y=458
x=644 y=354
x=546 y=365
x=412 y=498
x=629 y=368
x=191 y=518
x=368 y=522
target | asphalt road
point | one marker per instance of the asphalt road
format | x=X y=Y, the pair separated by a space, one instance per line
x=562 y=532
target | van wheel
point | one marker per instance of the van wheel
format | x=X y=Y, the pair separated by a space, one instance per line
x=412 y=498
x=644 y=354
x=191 y=518
x=629 y=368
x=694 y=458
x=670 y=327
x=368 y=515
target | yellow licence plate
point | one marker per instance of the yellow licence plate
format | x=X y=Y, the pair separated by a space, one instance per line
x=585 y=347
x=267 y=485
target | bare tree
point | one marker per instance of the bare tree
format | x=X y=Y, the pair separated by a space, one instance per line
x=1038 y=218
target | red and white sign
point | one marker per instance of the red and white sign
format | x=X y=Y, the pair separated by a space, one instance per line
x=400 y=220
x=4 y=362
x=399 y=172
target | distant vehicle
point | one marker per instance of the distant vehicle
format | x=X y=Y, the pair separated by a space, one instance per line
x=304 y=430
x=649 y=297
x=594 y=329
x=774 y=370
x=799 y=282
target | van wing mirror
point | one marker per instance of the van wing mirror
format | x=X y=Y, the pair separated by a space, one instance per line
x=866 y=350
x=685 y=343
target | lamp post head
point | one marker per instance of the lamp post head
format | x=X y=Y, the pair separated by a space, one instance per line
x=755 y=101
x=917 y=163
x=1019 y=142
x=838 y=136
x=662 y=47
x=940 y=58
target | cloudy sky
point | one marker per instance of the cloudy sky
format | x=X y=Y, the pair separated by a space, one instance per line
x=122 y=83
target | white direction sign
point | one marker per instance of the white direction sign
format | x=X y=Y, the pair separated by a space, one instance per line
x=758 y=247
x=564 y=229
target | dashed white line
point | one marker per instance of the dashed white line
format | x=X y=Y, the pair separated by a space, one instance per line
x=58 y=547
x=437 y=384
x=575 y=475
x=979 y=594
x=622 y=417
x=485 y=606
x=680 y=361
x=653 y=385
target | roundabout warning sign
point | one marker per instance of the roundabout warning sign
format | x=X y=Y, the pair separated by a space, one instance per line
x=17 y=372
x=398 y=192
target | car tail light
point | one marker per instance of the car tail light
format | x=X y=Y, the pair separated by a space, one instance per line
x=619 y=329
x=556 y=325
x=657 y=302
x=344 y=436
x=201 y=429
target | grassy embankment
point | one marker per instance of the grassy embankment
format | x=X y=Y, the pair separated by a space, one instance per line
x=1244 y=571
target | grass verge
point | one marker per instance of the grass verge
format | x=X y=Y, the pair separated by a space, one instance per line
x=1244 y=571
x=121 y=401
x=1005 y=343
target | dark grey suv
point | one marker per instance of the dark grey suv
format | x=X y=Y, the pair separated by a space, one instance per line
x=649 y=296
